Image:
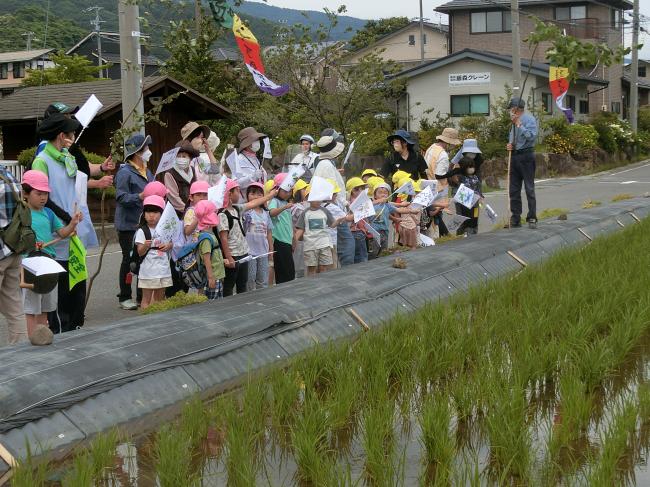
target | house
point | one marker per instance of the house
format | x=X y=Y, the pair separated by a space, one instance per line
x=643 y=81
x=21 y=111
x=486 y=25
x=470 y=82
x=403 y=45
x=14 y=65
x=110 y=46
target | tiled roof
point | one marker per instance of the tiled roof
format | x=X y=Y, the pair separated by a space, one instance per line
x=15 y=56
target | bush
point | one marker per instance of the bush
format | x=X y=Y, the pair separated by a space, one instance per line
x=582 y=139
x=644 y=120
x=557 y=144
x=370 y=135
x=27 y=156
x=555 y=125
x=602 y=122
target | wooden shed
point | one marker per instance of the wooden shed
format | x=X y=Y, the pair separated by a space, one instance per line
x=21 y=111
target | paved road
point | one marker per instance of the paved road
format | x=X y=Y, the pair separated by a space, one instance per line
x=569 y=193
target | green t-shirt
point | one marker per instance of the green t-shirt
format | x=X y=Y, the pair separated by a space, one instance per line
x=282 y=224
x=45 y=224
x=217 y=259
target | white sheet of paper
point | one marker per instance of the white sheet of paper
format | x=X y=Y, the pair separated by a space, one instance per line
x=217 y=192
x=350 y=149
x=231 y=160
x=88 y=111
x=41 y=265
x=425 y=183
x=426 y=241
x=491 y=214
x=167 y=160
x=362 y=207
x=267 y=148
x=81 y=189
x=375 y=234
x=424 y=198
x=169 y=225
x=321 y=189
x=465 y=196
x=292 y=176
x=454 y=222
x=406 y=188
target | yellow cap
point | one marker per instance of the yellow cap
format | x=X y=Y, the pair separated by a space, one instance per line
x=399 y=175
x=333 y=183
x=300 y=184
x=369 y=172
x=417 y=185
x=268 y=186
x=354 y=182
x=374 y=181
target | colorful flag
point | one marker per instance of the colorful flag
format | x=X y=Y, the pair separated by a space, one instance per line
x=558 y=79
x=77 y=270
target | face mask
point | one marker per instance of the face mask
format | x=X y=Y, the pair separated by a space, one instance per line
x=182 y=163
x=255 y=146
x=471 y=170
x=146 y=155
x=470 y=155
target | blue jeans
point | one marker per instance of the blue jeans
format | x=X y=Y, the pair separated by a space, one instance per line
x=344 y=244
x=360 y=247
x=258 y=273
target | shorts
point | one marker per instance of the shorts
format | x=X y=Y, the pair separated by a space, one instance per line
x=35 y=304
x=317 y=257
x=214 y=293
x=156 y=283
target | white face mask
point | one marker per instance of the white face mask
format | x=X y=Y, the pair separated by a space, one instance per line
x=470 y=155
x=146 y=155
x=255 y=146
x=471 y=170
x=182 y=163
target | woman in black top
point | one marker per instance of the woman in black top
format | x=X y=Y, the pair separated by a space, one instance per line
x=404 y=157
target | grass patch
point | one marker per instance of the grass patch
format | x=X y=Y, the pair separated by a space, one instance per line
x=591 y=204
x=178 y=300
x=551 y=213
x=622 y=197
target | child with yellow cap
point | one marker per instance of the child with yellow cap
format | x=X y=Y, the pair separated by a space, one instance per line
x=355 y=186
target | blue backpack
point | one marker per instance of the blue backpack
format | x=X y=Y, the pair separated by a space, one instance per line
x=189 y=263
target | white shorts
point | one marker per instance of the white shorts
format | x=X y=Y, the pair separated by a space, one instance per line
x=317 y=257
x=157 y=283
x=35 y=304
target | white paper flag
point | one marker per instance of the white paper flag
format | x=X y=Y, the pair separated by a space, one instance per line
x=491 y=214
x=88 y=111
x=217 y=192
x=406 y=188
x=375 y=234
x=167 y=160
x=292 y=176
x=231 y=160
x=425 y=183
x=362 y=207
x=42 y=265
x=81 y=189
x=321 y=189
x=168 y=226
x=425 y=241
x=454 y=222
x=424 y=198
x=350 y=149
x=267 y=148
x=465 y=196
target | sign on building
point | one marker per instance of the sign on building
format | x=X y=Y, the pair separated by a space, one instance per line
x=457 y=79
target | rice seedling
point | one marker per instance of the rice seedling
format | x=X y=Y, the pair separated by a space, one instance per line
x=29 y=473
x=622 y=197
x=102 y=454
x=547 y=213
x=591 y=204
x=644 y=403
x=242 y=446
x=81 y=474
x=436 y=440
x=194 y=421
x=284 y=395
x=173 y=459
x=379 y=443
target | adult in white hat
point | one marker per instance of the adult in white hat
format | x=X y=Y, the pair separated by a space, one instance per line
x=330 y=147
x=206 y=167
x=249 y=168
x=437 y=155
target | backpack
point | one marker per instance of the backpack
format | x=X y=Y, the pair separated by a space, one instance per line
x=136 y=259
x=189 y=263
x=231 y=219
x=19 y=235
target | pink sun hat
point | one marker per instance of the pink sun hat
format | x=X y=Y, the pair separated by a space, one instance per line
x=154 y=200
x=36 y=180
x=206 y=213
x=199 y=187
x=155 y=188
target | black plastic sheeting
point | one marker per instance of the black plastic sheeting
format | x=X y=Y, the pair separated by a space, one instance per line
x=90 y=380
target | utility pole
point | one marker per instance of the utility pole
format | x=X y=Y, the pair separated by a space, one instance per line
x=634 y=75
x=516 y=56
x=29 y=36
x=421 y=34
x=130 y=66
x=97 y=22
x=197 y=16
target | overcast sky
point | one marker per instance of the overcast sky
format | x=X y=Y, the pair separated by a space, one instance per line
x=375 y=9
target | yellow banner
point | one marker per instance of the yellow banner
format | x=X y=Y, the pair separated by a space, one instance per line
x=555 y=73
x=240 y=30
x=77 y=270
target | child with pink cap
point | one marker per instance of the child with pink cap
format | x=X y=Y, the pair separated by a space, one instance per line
x=198 y=192
x=205 y=213
x=155 y=273
x=45 y=224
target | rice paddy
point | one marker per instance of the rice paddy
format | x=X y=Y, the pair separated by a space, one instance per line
x=541 y=378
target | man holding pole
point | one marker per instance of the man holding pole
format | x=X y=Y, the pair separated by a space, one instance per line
x=521 y=148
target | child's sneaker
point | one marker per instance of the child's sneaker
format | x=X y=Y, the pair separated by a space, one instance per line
x=129 y=305
x=532 y=223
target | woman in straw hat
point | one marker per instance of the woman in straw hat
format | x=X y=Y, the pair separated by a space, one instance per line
x=249 y=168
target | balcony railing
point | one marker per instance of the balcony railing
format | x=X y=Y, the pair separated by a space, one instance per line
x=580 y=28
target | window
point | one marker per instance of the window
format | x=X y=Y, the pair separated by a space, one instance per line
x=19 y=70
x=584 y=106
x=490 y=21
x=575 y=12
x=424 y=38
x=616 y=18
x=462 y=105
x=642 y=72
x=3 y=71
x=570 y=102
x=326 y=72
x=616 y=107
x=411 y=40
x=547 y=102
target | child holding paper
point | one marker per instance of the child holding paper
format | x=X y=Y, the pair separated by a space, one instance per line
x=355 y=186
x=155 y=272
x=409 y=225
x=258 y=226
x=385 y=213
x=45 y=224
x=469 y=175
x=283 y=242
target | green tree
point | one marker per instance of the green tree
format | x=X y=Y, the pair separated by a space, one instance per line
x=374 y=29
x=67 y=69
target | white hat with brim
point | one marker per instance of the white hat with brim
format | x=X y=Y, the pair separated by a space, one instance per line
x=329 y=147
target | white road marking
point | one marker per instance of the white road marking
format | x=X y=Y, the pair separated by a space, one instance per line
x=105 y=254
x=628 y=182
x=628 y=170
